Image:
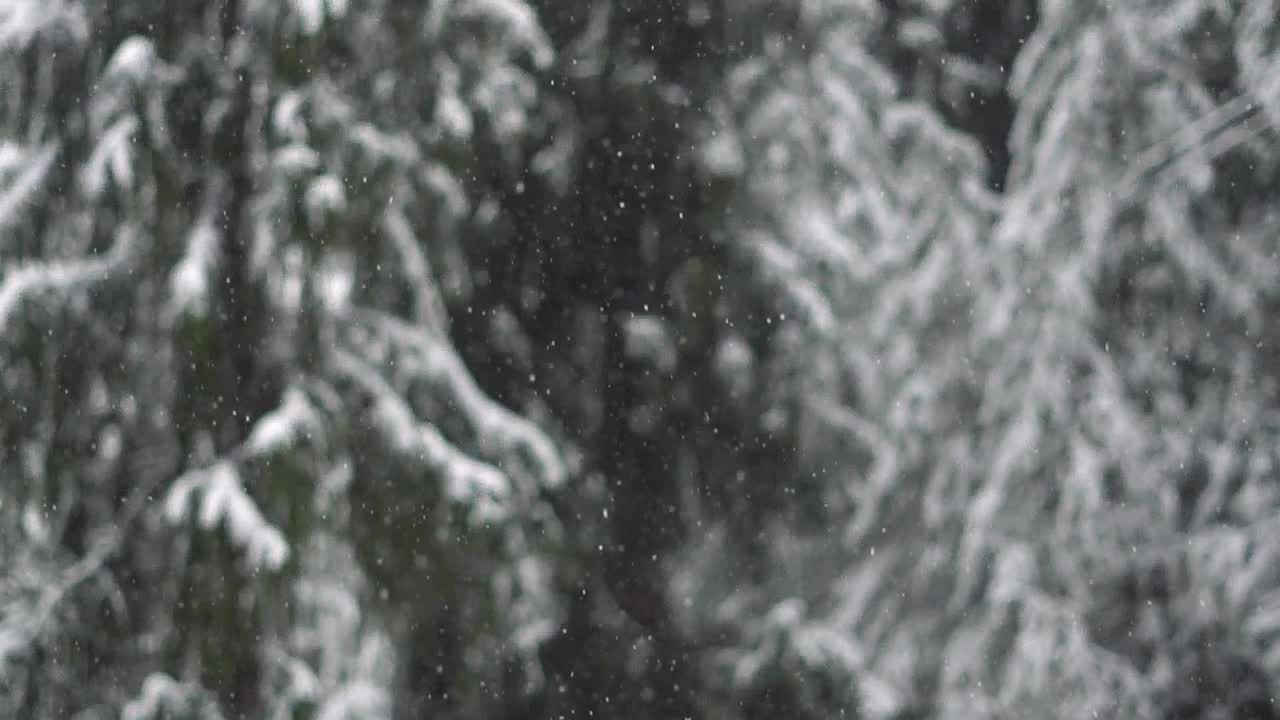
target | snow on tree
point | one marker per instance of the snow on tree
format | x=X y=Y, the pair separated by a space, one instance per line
x=864 y=217
x=817 y=358
x=982 y=402
x=223 y=210
x=1134 y=267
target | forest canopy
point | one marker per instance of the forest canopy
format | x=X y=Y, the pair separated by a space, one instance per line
x=876 y=359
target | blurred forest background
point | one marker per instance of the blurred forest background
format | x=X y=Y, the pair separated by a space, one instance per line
x=875 y=359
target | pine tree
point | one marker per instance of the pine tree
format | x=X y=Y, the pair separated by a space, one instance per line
x=234 y=405
x=1134 y=264
x=702 y=358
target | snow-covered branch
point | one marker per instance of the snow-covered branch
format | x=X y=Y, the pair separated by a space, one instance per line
x=25 y=183
x=222 y=499
x=294 y=420
x=468 y=480
x=1215 y=133
x=428 y=306
x=19 y=630
x=24 y=280
x=500 y=431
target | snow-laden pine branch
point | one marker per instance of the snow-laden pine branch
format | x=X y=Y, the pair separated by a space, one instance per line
x=503 y=435
x=21 y=189
x=23 y=280
x=20 y=628
x=428 y=306
x=468 y=481
x=219 y=497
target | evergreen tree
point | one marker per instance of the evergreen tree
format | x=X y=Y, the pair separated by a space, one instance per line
x=236 y=418
x=693 y=358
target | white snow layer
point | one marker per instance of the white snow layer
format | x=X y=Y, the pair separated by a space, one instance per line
x=221 y=499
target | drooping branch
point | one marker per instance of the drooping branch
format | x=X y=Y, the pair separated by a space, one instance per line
x=19 y=193
x=19 y=632
x=501 y=433
x=1215 y=133
x=25 y=280
x=428 y=306
x=469 y=480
